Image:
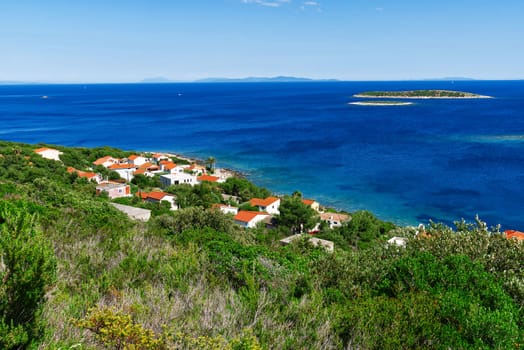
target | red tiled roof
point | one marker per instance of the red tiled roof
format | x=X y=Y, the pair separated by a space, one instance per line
x=142 y=195
x=102 y=160
x=43 y=149
x=208 y=178
x=308 y=201
x=514 y=234
x=257 y=202
x=132 y=157
x=247 y=216
x=86 y=174
x=156 y=195
x=121 y=166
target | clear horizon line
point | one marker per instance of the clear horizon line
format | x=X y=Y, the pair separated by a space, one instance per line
x=274 y=79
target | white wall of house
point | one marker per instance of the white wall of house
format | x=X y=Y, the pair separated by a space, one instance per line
x=226 y=209
x=178 y=179
x=138 y=161
x=253 y=221
x=126 y=174
x=52 y=154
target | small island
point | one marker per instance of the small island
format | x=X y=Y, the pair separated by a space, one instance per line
x=381 y=103
x=419 y=94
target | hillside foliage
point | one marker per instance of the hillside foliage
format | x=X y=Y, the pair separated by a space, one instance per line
x=75 y=273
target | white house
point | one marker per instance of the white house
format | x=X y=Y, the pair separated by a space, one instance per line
x=312 y=203
x=114 y=189
x=249 y=219
x=226 y=209
x=178 y=179
x=269 y=205
x=49 y=153
x=125 y=171
x=106 y=161
x=137 y=160
x=86 y=174
x=157 y=197
x=334 y=219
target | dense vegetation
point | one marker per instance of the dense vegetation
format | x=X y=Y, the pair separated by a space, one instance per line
x=77 y=273
x=419 y=93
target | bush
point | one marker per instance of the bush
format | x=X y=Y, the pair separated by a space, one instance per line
x=27 y=269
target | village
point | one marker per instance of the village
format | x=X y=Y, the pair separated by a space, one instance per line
x=192 y=173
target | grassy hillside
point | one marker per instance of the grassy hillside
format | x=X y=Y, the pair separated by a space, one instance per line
x=77 y=273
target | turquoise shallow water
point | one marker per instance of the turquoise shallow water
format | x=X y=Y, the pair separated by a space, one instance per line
x=438 y=159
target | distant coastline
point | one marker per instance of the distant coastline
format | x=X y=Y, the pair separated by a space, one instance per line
x=421 y=94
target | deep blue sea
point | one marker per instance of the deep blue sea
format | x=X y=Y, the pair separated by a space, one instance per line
x=438 y=159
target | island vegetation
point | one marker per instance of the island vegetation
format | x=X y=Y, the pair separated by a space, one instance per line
x=419 y=94
x=76 y=273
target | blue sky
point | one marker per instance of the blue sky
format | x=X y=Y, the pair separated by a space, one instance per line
x=129 y=40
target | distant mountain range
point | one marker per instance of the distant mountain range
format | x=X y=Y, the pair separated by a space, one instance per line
x=283 y=79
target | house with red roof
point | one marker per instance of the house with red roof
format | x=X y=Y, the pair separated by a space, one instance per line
x=157 y=197
x=114 y=189
x=147 y=169
x=85 y=174
x=125 y=170
x=195 y=168
x=159 y=156
x=334 y=219
x=106 y=161
x=249 y=219
x=167 y=166
x=512 y=234
x=312 y=203
x=269 y=204
x=48 y=153
x=208 y=178
x=137 y=160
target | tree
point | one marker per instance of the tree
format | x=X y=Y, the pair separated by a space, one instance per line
x=211 y=163
x=27 y=268
x=363 y=229
x=295 y=215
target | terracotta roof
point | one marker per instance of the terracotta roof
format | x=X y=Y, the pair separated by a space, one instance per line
x=156 y=195
x=514 y=234
x=121 y=166
x=102 y=160
x=257 y=202
x=208 y=178
x=334 y=216
x=43 y=149
x=308 y=201
x=142 y=195
x=86 y=174
x=132 y=157
x=247 y=216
